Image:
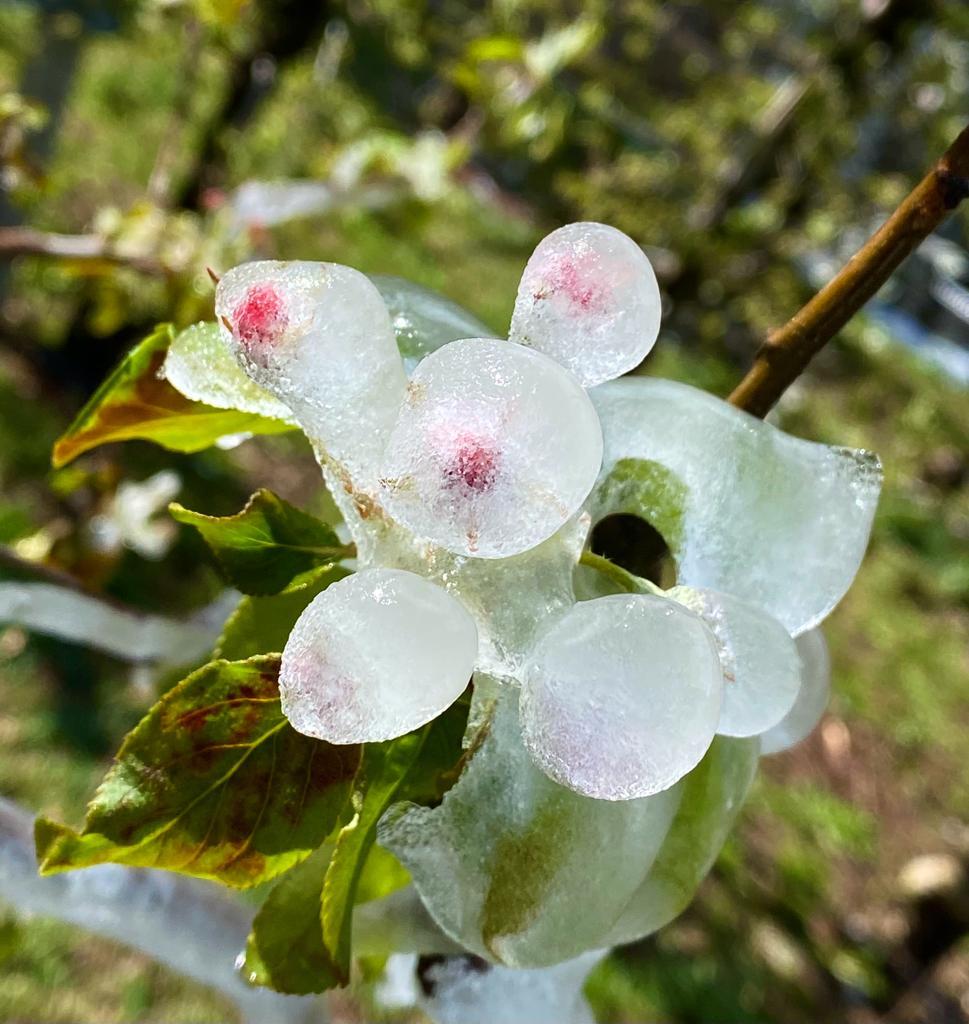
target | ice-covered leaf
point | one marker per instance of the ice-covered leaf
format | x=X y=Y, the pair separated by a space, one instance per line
x=515 y=867
x=374 y=656
x=589 y=299
x=780 y=522
x=418 y=767
x=621 y=696
x=201 y=367
x=424 y=320
x=495 y=449
x=261 y=625
x=712 y=795
x=318 y=337
x=265 y=546
x=135 y=403
x=212 y=782
x=761 y=667
x=812 y=697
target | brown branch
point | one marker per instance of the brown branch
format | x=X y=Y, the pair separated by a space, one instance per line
x=788 y=350
x=30 y=242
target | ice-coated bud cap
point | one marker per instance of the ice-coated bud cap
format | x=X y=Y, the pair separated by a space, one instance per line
x=495 y=447
x=621 y=696
x=374 y=656
x=589 y=299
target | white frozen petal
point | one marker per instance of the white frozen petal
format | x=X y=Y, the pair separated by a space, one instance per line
x=374 y=656
x=589 y=299
x=812 y=697
x=770 y=518
x=621 y=696
x=761 y=667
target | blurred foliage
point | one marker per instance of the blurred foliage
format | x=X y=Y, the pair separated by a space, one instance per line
x=737 y=142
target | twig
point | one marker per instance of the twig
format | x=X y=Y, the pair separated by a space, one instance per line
x=30 y=242
x=789 y=349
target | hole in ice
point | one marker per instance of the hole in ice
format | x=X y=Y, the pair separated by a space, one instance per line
x=635 y=545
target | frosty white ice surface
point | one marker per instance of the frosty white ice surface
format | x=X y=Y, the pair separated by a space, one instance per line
x=495 y=448
x=375 y=655
x=621 y=696
x=423 y=320
x=712 y=795
x=812 y=698
x=761 y=667
x=464 y=991
x=778 y=521
x=589 y=299
x=318 y=337
x=515 y=867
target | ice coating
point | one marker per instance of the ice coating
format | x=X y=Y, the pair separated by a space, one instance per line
x=374 y=656
x=712 y=796
x=751 y=511
x=318 y=337
x=424 y=320
x=761 y=667
x=589 y=299
x=621 y=696
x=463 y=990
x=515 y=867
x=812 y=697
x=495 y=448
x=199 y=365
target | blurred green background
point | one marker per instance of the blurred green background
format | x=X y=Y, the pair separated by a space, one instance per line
x=749 y=146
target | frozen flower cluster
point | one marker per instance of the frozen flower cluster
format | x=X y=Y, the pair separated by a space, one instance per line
x=469 y=471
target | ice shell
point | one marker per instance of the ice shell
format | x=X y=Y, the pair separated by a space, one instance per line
x=712 y=796
x=621 y=696
x=318 y=337
x=495 y=448
x=374 y=656
x=424 y=320
x=515 y=867
x=465 y=991
x=761 y=667
x=589 y=299
x=199 y=365
x=812 y=697
x=770 y=518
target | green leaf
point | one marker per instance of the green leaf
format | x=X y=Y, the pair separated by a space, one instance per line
x=301 y=938
x=213 y=782
x=134 y=402
x=265 y=546
x=261 y=625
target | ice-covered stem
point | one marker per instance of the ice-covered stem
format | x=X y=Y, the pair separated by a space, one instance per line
x=788 y=350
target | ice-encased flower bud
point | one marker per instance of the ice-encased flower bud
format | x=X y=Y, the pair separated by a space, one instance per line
x=761 y=667
x=374 y=656
x=494 y=449
x=812 y=698
x=589 y=299
x=621 y=696
x=318 y=337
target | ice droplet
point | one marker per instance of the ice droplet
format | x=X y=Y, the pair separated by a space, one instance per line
x=621 y=696
x=494 y=449
x=318 y=337
x=374 y=656
x=812 y=698
x=761 y=667
x=589 y=299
